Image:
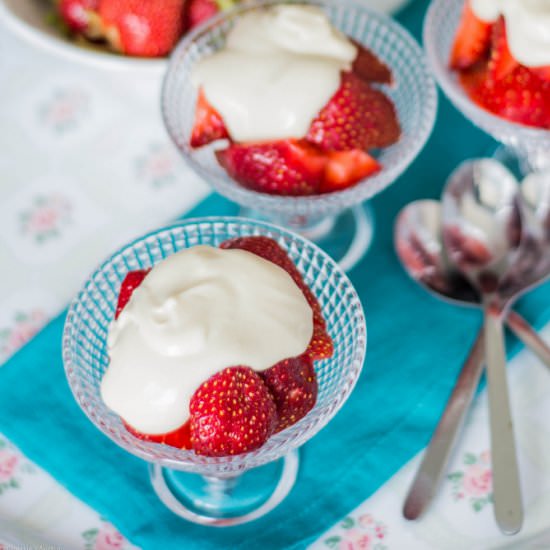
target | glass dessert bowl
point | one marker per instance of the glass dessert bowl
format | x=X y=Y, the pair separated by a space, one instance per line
x=222 y=490
x=316 y=216
x=528 y=145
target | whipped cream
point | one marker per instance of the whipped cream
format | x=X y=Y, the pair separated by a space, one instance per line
x=278 y=69
x=527 y=27
x=199 y=311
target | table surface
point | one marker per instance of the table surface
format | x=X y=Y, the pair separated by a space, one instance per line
x=66 y=201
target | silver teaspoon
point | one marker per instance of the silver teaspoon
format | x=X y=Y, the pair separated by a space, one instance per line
x=482 y=236
x=418 y=242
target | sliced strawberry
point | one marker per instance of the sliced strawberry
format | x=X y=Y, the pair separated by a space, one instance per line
x=76 y=13
x=286 y=167
x=345 y=168
x=542 y=72
x=209 y=125
x=231 y=413
x=132 y=280
x=356 y=117
x=502 y=62
x=199 y=11
x=472 y=40
x=147 y=29
x=368 y=67
x=521 y=97
x=180 y=438
x=321 y=345
x=293 y=385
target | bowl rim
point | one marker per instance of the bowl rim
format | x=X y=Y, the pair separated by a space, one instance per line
x=60 y=47
x=358 y=358
x=488 y=121
x=320 y=203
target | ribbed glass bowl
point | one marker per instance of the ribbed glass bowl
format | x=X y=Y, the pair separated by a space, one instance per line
x=85 y=348
x=440 y=27
x=413 y=93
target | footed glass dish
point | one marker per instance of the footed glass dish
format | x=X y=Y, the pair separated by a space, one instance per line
x=227 y=490
x=526 y=145
x=413 y=93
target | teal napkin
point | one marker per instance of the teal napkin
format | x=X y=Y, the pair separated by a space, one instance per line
x=416 y=347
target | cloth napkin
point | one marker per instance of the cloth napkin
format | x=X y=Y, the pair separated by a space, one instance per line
x=416 y=346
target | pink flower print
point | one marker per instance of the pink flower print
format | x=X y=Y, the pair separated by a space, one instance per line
x=64 y=109
x=355 y=540
x=485 y=457
x=26 y=325
x=158 y=165
x=108 y=538
x=366 y=520
x=46 y=217
x=477 y=480
x=8 y=464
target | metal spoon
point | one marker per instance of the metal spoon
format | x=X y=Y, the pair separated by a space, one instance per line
x=482 y=235
x=419 y=245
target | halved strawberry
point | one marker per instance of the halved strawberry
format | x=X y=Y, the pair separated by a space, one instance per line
x=147 y=29
x=369 y=67
x=180 y=438
x=199 y=11
x=344 y=168
x=293 y=385
x=231 y=413
x=502 y=62
x=132 y=280
x=321 y=345
x=520 y=97
x=472 y=40
x=76 y=13
x=542 y=72
x=356 y=117
x=208 y=125
x=285 y=167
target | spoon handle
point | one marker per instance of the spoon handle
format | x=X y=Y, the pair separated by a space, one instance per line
x=508 y=507
x=434 y=464
x=523 y=330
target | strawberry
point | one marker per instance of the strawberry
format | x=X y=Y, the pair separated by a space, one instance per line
x=199 y=11
x=542 y=72
x=293 y=385
x=132 y=280
x=356 y=117
x=321 y=346
x=209 y=125
x=180 y=438
x=344 y=168
x=286 y=167
x=472 y=40
x=76 y=13
x=520 y=97
x=147 y=29
x=501 y=63
x=231 y=413
x=368 y=67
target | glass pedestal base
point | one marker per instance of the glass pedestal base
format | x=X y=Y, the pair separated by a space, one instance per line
x=225 y=501
x=346 y=237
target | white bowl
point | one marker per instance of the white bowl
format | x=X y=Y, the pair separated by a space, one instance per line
x=28 y=20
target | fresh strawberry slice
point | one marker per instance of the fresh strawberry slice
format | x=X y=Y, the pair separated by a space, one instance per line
x=76 y=13
x=472 y=40
x=521 y=97
x=180 y=438
x=345 y=168
x=542 y=72
x=321 y=345
x=147 y=29
x=356 y=117
x=209 y=125
x=293 y=385
x=231 y=413
x=368 y=67
x=285 y=167
x=502 y=62
x=132 y=280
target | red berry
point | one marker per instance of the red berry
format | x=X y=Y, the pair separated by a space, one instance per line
x=368 y=67
x=344 y=168
x=231 y=413
x=293 y=385
x=132 y=280
x=208 y=125
x=180 y=438
x=356 y=117
x=76 y=13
